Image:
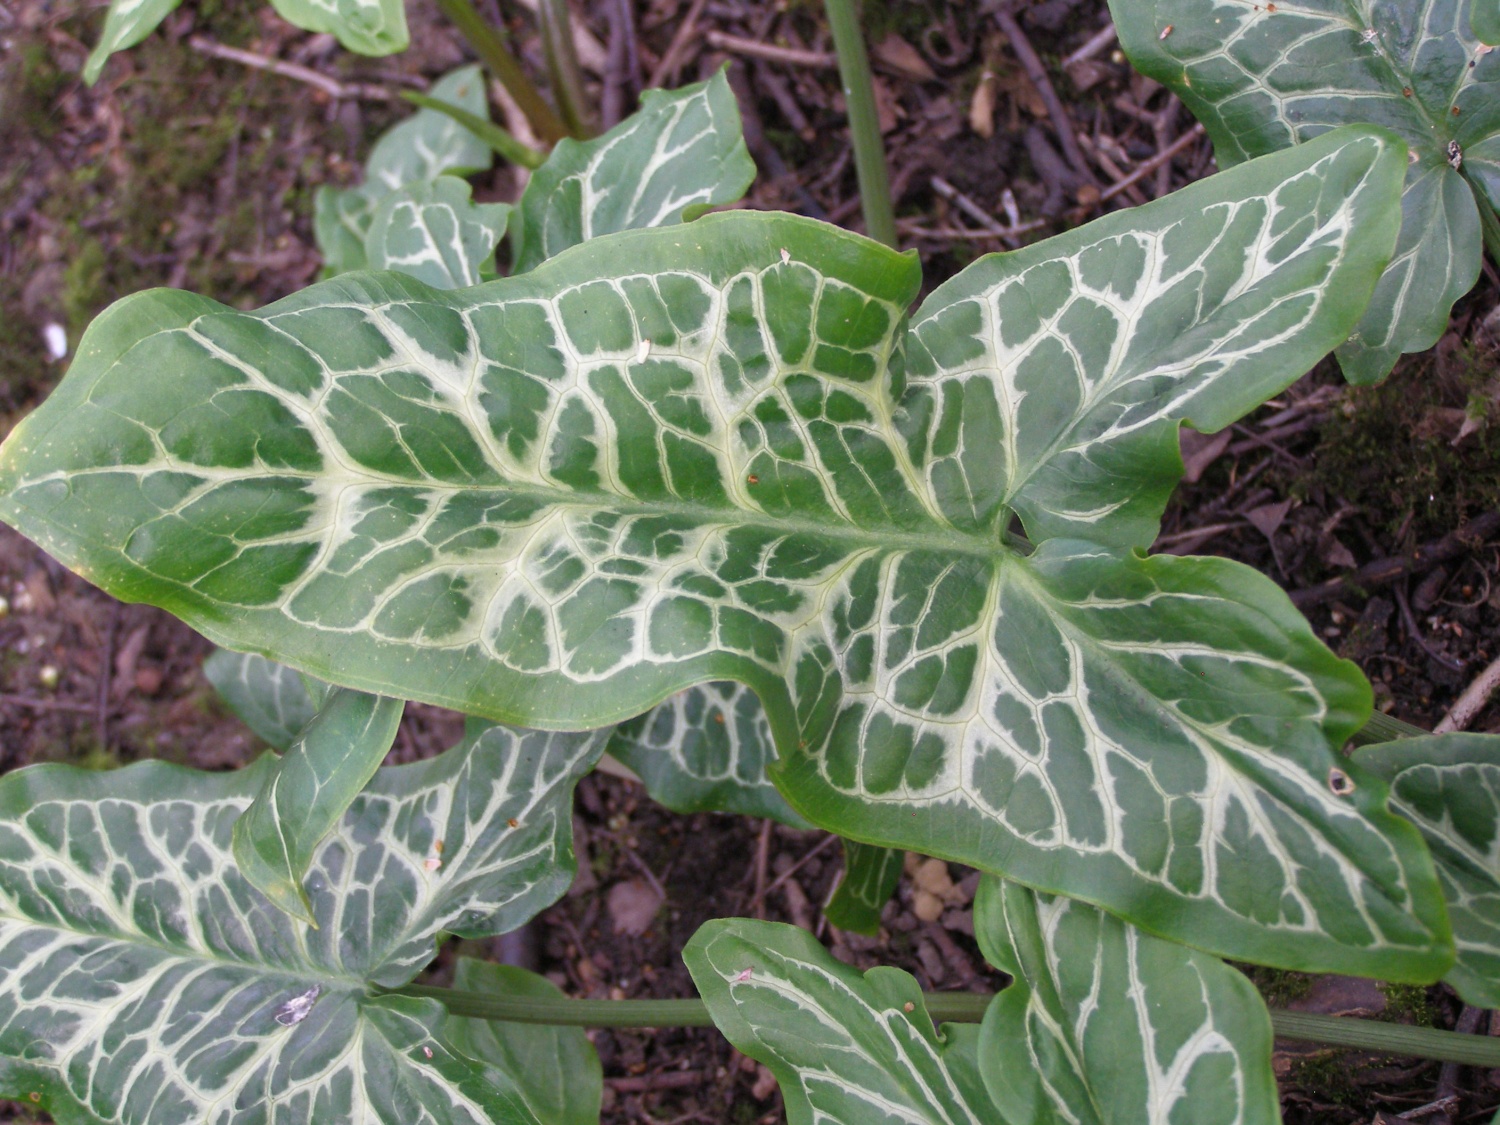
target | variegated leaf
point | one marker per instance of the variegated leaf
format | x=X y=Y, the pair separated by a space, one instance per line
x=125 y=24
x=706 y=749
x=420 y=148
x=713 y=452
x=869 y=879
x=369 y=27
x=847 y=1048
x=268 y=697
x=306 y=793
x=682 y=153
x=1449 y=786
x=1263 y=76
x=1484 y=18
x=434 y=231
x=143 y=980
x=1106 y=1025
x=555 y=1071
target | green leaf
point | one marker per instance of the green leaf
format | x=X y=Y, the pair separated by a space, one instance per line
x=1264 y=76
x=368 y=27
x=268 y=697
x=869 y=879
x=706 y=749
x=1105 y=1024
x=341 y=221
x=682 y=153
x=144 y=981
x=429 y=144
x=1449 y=786
x=847 y=1048
x=125 y=24
x=555 y=1071
x=434 y=231
x=712 y=452
x=1484 y=17
x=306 y=793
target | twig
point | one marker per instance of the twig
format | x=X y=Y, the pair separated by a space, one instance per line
x=46 y=704
x=1145 y=169
x=1378 y=573
x=1472 y=701
x=666 y=70
x=670 y=1080
x=968 y=206
x=1416 y=634
x=762 y=857
x=792 y=56
x=106 y=662
x=821 y=845
x=330 y=86
x=1032 y=64
x=1206 y=531
x=913 y=227
x=1092 y=46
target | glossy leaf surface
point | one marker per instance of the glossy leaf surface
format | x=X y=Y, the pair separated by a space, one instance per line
x=1106 y=1025
x=268 y=697
x=555 y=1071
x=368 y=27
x=1449 y=787
x=305 y=794
x=680 y=154
x=125 y=24
x=706 y=749
x=869 y=879
x=433 y=231
x=1264 y=76
x=846 y=1047
x=143 y=980
x=714 y=452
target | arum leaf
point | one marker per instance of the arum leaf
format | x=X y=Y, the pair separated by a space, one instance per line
x=1264 y=76
x=341 y=222
x=712 y=452
x=125 y=24
x=1484 y=17
x=706 y=749
x=682 y=153
x=368 y=27
x=1449 y=787
x=869 y=879
x=308 y=791
x=847 y=1048
x=143 y=980
x=555 y=1071
x=429 y=144
x=435 y=232
x=1105 y=1024
x=268 y=697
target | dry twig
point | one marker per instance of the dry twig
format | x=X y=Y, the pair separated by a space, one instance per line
x=330 y=86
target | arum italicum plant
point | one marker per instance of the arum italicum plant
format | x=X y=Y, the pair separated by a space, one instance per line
x=703 y=494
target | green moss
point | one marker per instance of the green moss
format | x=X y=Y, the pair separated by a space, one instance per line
x=1329 y=1077
x=1409 y=1003
x=1278 y=987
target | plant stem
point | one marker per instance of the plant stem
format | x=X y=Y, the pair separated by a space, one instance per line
x=490 y=47
x=953 y=1007
x=562 y=65
x=864 y=122
x=1383 y=728
x=501 y=140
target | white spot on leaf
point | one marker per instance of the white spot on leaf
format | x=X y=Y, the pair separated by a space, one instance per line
x=295 y=1010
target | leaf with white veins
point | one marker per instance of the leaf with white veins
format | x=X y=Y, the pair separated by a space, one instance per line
x=306 y=793
x=268 y=697
x=368 y=27
x=144 y=981
x=1449 y=787
x=713 y=452
x=682 y=153
x=1106 y=1025
x=869 y=879
x=125 y=24
x=847 y=1048
x=433 y=231
x=1264 y=76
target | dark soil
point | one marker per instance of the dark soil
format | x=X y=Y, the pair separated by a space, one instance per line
x=182 y=169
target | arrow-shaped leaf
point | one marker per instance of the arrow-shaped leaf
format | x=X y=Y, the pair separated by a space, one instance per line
x=125 y=24
x=1262 y=76
x=847 y=1048
x=306 y=793
x=434 y=231
x=682 y=153
x=1449 y=787
x=268 y=697
x=1105 y=1024
x=368 y=27
x=711 y=452
x=143 y=980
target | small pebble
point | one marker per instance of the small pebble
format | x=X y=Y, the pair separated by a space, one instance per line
x=47 y=675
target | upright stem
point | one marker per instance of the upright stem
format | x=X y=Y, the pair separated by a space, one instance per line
x=953 y=1007
x=562 y=65
x=491 y=48
x=864 y=122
